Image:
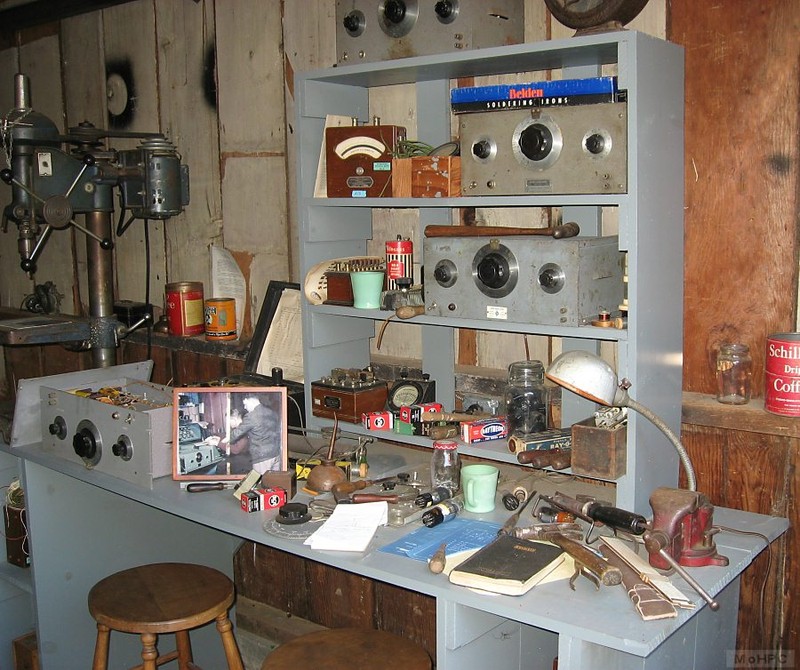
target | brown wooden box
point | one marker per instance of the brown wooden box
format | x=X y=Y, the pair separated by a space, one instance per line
x=346 y=404
x=426 y=177
x=16 y=534
x=598 y=452
x=26 y=653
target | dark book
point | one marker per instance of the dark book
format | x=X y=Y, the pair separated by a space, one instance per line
x=508 y=565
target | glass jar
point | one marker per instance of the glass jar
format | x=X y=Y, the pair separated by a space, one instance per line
x=525 y=396
x=445 y=465
x=734 y=374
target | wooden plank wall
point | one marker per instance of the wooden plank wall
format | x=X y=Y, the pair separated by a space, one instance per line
x=741 y=217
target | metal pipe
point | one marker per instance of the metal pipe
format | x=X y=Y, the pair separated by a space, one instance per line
x=101 y=290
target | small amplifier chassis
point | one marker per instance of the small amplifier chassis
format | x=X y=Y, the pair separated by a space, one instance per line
x=131 y=440
x=375 y=30
x=524 y=278
x=557 y=150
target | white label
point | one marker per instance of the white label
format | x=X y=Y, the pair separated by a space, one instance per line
x=496 y=312
x=45 y=162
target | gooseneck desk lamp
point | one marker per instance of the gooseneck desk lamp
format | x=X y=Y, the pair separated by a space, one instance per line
x=593 y=378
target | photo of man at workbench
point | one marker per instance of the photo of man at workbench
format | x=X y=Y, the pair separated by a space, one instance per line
x=262 y=428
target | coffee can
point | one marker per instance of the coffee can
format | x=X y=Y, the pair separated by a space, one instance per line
x=184 y=307
x=782 y=374
x=220 y=317
x=399 y=261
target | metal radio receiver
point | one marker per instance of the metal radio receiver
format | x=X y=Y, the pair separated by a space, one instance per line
x=374 y=30
x=558 y=150
x=526 y=279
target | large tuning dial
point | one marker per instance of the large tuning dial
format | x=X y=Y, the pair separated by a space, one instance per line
x=87 y=443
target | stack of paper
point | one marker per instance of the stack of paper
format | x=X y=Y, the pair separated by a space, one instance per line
x=350 y=527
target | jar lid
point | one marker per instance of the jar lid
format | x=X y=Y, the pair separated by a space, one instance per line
x=445 y=444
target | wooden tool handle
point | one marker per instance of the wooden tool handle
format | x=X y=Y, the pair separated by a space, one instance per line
x=570 y=229
x=608 y=574
x=409 y=311
x=374 y=497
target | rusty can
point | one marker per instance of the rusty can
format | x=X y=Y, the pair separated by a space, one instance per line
x=782 y=379
x=184 y=306
x=220 y=315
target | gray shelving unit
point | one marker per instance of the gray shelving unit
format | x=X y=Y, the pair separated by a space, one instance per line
x=650 y=214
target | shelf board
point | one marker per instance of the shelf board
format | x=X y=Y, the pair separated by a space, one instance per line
x=533 y=200
x=593 y=332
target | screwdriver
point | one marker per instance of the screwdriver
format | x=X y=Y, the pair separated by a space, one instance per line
x=344 y=489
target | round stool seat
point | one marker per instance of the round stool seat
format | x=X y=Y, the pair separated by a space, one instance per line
x=160 y=598
x=163 y=598
x=346 y=649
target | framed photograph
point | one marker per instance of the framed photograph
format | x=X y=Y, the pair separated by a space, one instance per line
x=221 y=433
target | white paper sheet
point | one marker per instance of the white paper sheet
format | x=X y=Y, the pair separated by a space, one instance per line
x=350 y=527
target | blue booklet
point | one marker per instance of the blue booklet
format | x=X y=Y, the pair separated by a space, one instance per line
x=458 y=534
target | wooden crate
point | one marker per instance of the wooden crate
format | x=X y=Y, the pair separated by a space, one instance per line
x=598 y=452
x=426 y=177
x=26 y=653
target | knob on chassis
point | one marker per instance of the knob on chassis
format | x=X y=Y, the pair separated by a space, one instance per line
x=86 y=443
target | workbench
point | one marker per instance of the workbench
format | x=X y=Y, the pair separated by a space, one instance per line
x=85 y=525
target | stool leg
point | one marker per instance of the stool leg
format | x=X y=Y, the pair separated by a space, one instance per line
x=184 y=647
x=100 y=661
x=232 y=654
x=149 y=651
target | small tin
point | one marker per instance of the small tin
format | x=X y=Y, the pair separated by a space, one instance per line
x=220 y=319
x=184 y=307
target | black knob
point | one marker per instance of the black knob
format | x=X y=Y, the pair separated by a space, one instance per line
x=493 y=271
x=106 y=244
x=7 y=175
x=352 y=22
x=536 y=142
x=482 y=149
x=28 y=265
x=444 y=9
x=89 y=160
x=84 y=444
x=395 y=11
x=277 y=376
x=550 y=278
x=120 y=449
x=58 y=428
x=595 y=144
x=442 y=274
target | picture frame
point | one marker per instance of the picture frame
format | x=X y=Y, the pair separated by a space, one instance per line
x=214 y=440
x=278 y=347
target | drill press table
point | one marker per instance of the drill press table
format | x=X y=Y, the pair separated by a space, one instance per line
x=86 y=524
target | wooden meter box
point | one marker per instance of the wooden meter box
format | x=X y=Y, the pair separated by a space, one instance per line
x=358 y=160
x=598 y=452
x=426 y=177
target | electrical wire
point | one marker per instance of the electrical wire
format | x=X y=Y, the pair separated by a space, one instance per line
x=763 y=590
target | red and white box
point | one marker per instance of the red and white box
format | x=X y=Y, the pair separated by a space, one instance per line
x=484 y=430
x=257 y=500
x=413 y=413
x=378 y=420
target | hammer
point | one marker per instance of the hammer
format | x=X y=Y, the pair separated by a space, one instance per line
x=570 y=229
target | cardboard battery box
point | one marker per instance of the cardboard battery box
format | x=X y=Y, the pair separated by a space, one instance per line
x=383 y=420
x=257 y=500
x=413 y=413
x=484 y=430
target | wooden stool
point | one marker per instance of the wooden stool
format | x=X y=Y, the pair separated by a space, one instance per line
x=163 y=598
x=348 y=649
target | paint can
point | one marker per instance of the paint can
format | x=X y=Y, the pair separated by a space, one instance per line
x=220 y=317
x=184 y=307
x=782 y=379
x=399 y=261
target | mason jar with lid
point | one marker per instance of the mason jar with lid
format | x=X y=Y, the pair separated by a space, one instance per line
x=526 y=399
x=734 y=374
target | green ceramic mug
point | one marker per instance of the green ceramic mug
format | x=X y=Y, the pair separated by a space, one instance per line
x=367 y=288
x=479 y=484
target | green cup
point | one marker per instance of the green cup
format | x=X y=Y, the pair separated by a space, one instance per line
x=479 y=484
x=367 y=287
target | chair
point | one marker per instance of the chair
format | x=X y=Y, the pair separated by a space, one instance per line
x=348 y=649
x=163 y=598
